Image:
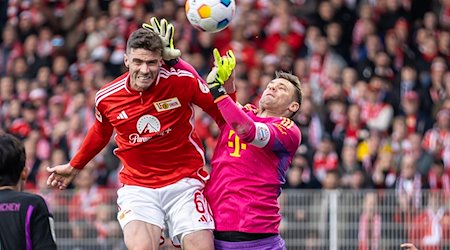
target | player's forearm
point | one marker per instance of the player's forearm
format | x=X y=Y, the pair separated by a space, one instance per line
x=237 y=119
x=96 y=139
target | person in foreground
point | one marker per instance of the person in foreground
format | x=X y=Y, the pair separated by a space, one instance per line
x=25 y=222
x=151 y=110
x=252 y=155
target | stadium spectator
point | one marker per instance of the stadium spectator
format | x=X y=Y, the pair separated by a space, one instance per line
x=325 y=159
x=437 y=139
x=87 y=196
x=348 y=164
x=413 y=147
x=409 y=184
x=370 y=224
x=300 y=175
x=376 y=113
x=431 y=227
x=438 y=178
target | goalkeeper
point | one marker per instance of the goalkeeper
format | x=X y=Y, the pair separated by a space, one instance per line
x=253 y=152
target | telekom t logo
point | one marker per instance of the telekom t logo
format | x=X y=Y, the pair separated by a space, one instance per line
x=236 y=144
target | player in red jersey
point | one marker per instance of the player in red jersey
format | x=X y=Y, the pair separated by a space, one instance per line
x=151 y=110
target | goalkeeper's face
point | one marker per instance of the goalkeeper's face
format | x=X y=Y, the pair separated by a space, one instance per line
x=278 y=98
x=143 y=66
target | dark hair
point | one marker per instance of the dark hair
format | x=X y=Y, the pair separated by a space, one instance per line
x=296 y=82
x=438 y=161
x=12 y=159
x=144 y=39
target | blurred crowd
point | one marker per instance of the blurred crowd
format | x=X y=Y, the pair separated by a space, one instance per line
x=375 y=78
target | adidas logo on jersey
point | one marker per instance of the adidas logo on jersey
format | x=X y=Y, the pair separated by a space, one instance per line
x=122 y=115
x=203 y=219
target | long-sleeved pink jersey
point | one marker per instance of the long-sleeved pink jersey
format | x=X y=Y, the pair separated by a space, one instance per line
x=248 y=170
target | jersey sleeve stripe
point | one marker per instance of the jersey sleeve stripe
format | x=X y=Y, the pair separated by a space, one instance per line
x=28 y=228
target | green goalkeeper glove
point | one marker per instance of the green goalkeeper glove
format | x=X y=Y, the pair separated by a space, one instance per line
x=165 y=30
x=223 y=67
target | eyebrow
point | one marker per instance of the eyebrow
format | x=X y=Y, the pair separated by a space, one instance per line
x=279 y=82
x=140 y=60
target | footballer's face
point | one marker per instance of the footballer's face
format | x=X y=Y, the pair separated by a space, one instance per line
x=278 y=98
x=143 y=66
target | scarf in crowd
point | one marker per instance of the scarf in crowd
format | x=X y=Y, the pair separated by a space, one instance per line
x=414 y=192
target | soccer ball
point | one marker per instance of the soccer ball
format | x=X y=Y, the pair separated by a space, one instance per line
x=210 y=15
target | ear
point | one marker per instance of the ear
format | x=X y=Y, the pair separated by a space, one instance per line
x=24 y=174
x=125 y=60
x=294 y=107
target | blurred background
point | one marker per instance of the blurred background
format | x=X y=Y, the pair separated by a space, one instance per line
x=373 y=167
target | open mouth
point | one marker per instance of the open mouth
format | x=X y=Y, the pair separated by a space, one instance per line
x=144 y=78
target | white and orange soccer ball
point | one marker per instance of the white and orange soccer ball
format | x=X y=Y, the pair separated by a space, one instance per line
x=210 y=15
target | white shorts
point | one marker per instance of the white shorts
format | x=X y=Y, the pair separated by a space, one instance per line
x=181 y=207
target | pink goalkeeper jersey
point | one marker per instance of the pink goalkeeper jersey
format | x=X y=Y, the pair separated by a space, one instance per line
x=247 y=173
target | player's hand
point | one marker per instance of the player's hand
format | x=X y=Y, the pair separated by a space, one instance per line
x=61 y=175
x=221 y=71
x=408 y=246
x=165 y=30
x=223 y=67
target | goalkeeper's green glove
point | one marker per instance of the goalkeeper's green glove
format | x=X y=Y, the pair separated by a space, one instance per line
x=165 y=30
x=223 y=67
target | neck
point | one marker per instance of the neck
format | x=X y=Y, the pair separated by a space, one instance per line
x=267 y=113
x=270 y=113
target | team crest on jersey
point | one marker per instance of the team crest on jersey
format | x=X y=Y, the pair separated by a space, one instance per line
x=167 y=104
x=148 y=124
x=98 y=115
x=203 y=87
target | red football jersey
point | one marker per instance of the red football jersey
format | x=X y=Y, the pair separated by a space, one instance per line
x=155 y=134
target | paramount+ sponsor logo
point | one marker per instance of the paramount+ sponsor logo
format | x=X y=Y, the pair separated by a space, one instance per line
x=148 y=127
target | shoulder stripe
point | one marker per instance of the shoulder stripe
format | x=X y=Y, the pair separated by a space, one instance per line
x=110 y=88
x=179 y=72
x=286 y=122
x=99 y=99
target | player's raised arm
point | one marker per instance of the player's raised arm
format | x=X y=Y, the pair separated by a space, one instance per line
x=233 y=115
